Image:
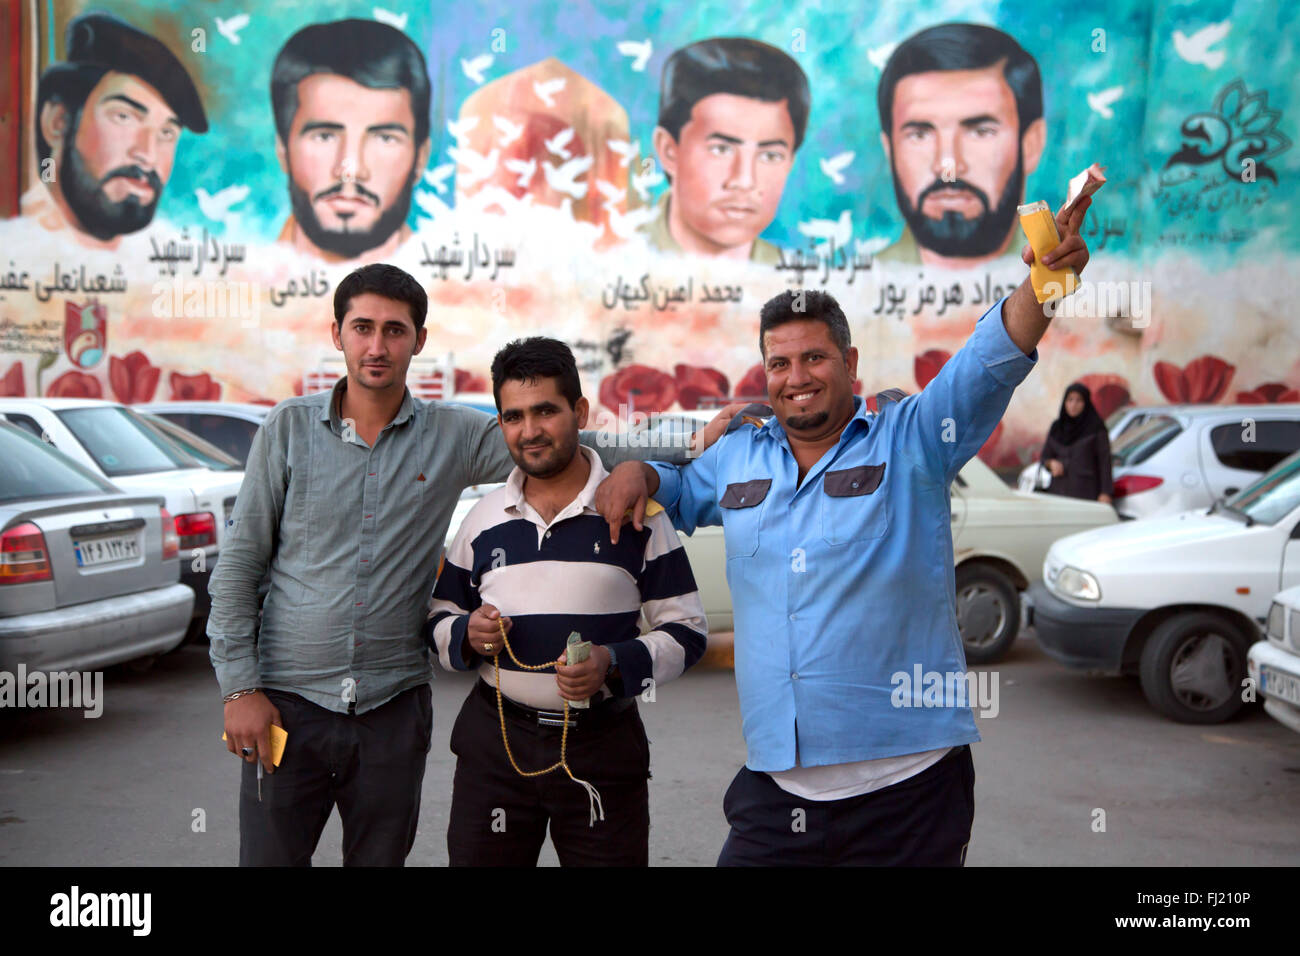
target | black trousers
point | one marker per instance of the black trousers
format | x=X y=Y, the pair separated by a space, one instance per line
x=924 y=820
x=371 y=765
x=499 y=818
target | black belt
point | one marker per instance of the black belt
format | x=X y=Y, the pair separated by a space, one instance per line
x=600 y=712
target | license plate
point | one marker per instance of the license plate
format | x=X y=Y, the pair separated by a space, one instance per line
x=95 y=551
x=1280 y=684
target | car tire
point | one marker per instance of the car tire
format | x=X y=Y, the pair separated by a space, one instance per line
x=1192 y=668
x=988 y=612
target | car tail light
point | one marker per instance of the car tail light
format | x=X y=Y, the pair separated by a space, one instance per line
x=23 y=555
x=171 y=540
x=197 y=530
x=1132 y=484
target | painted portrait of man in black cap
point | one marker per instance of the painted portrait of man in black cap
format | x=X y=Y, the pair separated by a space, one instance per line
x=108 y=120
x=351 y=104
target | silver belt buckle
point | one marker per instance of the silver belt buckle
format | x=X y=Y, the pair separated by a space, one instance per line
x=550 y=718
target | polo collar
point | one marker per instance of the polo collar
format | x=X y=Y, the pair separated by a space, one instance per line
x=330 y=410
x=586 y=497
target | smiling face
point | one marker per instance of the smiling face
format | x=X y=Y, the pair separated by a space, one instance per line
x=809 y=382
x=728 y=167
x=378 y=340
x=958 y=159
x=539 y=427
x=112 y=172
x=352 y=162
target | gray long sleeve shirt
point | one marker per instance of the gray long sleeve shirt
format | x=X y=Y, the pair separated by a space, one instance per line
x=353 y=536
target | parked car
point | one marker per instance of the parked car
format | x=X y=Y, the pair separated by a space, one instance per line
x=1274 y=662
x=1036 y=476
x=119 y=444
x=88 y=573
x=1177 y=599
x=1000 y=537
x=230 y=426
x=1186 y=456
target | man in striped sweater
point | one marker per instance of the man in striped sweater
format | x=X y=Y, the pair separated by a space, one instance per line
x=534 y=560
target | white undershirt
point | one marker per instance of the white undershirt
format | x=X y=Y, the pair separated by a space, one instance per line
x=837 y=781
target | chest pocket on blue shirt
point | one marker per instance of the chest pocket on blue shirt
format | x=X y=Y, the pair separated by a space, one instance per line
x=741 y=515
x=852 y=507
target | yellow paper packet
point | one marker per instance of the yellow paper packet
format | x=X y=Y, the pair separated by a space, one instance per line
x=278 y=739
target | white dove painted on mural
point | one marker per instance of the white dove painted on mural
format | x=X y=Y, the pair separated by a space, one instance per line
x=879 y=55
x=840 y=230
x=397 y=20
x=438 y=176
x=509 y=131
x=1101 y=102
x=478 y=166
x=1196 y=48
x=558 y=143
x=460 y=129
x=626 y=151
x=625 y=225
x=493 y=195
x=643 y=182
x=230 y=28
x=611 y=193
x=640 y=53
x=546 y=91
x=835 y=166
x=474 y=68
x=588 y=231
x=524 y=170
x=217 y=205
x=563 y=179
x=431 y=205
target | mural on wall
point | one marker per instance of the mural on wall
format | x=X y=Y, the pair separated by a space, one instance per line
x=187 y=184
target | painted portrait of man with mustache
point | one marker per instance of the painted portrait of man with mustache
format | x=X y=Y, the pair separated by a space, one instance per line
x=351 y=103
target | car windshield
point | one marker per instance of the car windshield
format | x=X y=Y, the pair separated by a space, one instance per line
x=1140 y=442
x=123 y=443
x=34 y=469
x=209 y=455
x=1272 y=497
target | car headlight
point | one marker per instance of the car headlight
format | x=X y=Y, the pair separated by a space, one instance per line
x=1276 y=615
x=1077 y=584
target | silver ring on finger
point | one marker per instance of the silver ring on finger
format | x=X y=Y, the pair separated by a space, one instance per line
x=487 y=646
x=246 y=751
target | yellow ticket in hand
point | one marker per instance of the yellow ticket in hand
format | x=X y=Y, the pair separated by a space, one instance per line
x=652 y=508
x=278 y=739
x=1039 y=224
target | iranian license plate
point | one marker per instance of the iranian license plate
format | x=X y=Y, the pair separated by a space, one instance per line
x=1280 y=684
x=93 y=551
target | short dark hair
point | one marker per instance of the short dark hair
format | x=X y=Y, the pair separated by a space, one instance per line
x=71 y=94
x=739 y=66
x=368 y=52
x=794 y=305
x=388 y=281
x=963 y=46
x=526 y=360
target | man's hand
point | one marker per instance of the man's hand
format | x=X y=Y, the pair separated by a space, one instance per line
x=1025 y=319
x=248 y=725
x=580 y=681
x=715 y=429
x=629 y=485
x=483 y=633
x=1055 y=467
x=1105 y=499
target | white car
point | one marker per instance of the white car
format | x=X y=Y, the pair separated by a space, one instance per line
x=1274 y=663
x=113 y=441
x=1187 y=456
x=228 y=425
x=1000 y=537
x=1178 y=599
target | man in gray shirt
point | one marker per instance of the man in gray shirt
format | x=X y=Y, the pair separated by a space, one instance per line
x=347 y=496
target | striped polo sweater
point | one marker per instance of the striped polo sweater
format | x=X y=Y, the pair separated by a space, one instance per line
x=552 y=579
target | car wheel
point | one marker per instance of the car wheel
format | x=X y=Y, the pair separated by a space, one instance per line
x=141 y=665
x=988 y=612
x=1192 y=668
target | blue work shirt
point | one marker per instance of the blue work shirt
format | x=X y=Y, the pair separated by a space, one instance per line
x=845 y=580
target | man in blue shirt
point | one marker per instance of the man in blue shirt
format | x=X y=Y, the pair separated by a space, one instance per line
x=839 y=559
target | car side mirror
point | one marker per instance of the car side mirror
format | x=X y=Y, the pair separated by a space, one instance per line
x=1229 y=492
x=1295 y=532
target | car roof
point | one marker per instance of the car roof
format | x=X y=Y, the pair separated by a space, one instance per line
x=55 y=404
x=216 y=408
x=1208 y=411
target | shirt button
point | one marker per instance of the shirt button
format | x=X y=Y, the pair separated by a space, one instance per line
x=548 y=534
x=794 y=676
x=792 y=617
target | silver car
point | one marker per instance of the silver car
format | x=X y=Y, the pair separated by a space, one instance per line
x=88 y=573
